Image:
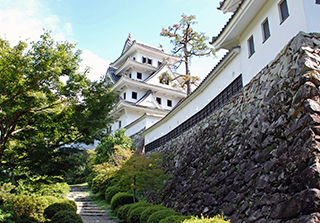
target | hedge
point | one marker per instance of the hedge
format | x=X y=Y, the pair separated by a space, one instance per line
x=120 y=199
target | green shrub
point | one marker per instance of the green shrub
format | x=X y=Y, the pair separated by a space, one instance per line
x=100 y=183
x=149 y=211
x=66 y=217
x=122 y=212
x=159 y=215
x=29 y=206
x=120 y=199
x=67 y=201
x=215 y=219
x=138 y=205
x=52 y=209
x=174 y=219
x=135 y=214
x=110 y=192
x=49 y=199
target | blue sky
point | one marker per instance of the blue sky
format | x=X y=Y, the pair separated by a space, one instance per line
x=100 y=27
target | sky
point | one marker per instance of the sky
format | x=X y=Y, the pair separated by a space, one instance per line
x=100 y=27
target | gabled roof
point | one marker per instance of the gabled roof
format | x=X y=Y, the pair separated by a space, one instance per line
x=122 y=104
x=131 y=46
x=129 y=61
x=149 y=95
x=242 y=16
x=128 y=81
x=111 y=73
x=229 y=5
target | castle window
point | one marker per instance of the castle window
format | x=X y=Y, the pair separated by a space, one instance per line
x=124 y=95
x=265 y=30
x=139 y=75
x=251 y=46
x=134 y=58
x=144 y=60
x=159 y=63
x=130 y=75
x=149 y=61
x=119 y=123
x=159 y=100
x=134 y=95
x=284 y=12
x=169 y=103
x=318 y=2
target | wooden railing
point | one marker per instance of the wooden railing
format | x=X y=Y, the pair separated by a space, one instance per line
x=231 y=90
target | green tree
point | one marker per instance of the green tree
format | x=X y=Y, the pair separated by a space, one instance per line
x=141 y=172
x=187 y=43
x=42 y=117
x=106 y=148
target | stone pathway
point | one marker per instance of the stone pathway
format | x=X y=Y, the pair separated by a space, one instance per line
x=87 y=209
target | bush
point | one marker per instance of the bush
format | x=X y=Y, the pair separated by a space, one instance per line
x=174 y=219
x=67 y=201
x=215 y=219
x=134 y=215
x=138 y=205
x=29 y=206
x=149 y=211
x=120 y=199
x=66 y=217
x=122 y=212
x=52 y=209
x=110 y=192
x=159 y=215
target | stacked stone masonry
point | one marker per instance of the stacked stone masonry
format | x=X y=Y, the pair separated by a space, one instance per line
x=257 y=158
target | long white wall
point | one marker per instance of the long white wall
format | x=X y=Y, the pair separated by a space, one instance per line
x=300 y=12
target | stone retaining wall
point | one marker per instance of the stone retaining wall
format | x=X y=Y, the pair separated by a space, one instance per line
x=257 y=158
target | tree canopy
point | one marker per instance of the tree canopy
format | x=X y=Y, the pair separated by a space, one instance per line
x=46 y=104
x=187 y=43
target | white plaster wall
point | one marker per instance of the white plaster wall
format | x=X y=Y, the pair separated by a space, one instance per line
x=219 y=83
x=147 y=121
x=281 y=33
x=154 y=59
x=312 y=14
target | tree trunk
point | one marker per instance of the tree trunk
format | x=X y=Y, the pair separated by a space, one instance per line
x=187 y=61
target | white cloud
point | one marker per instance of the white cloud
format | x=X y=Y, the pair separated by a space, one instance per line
x=99 y=66
x=26 y=19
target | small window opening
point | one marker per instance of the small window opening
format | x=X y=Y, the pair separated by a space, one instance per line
x=265 y=30
x=251 y=46
x=139 y=75
x=159 y=100
x=144 y=60
x=169 y=103
x=124 y=95
x=284 y=12
x=134 y=95
x=149 y=61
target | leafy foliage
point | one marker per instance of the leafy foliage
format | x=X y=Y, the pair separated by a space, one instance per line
x=113 y=148
x=122 y=212
x=174 y=219
x=134 y=215
x=111 y=191
x=66 y=217
x=42 y=117
x=120 y=199
x=215 y=219
x=52 y=209
x=159 y=215
x=149 y=211
x=141 y=172
x=187 y=43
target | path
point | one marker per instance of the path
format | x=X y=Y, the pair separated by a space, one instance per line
x=87 y=209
